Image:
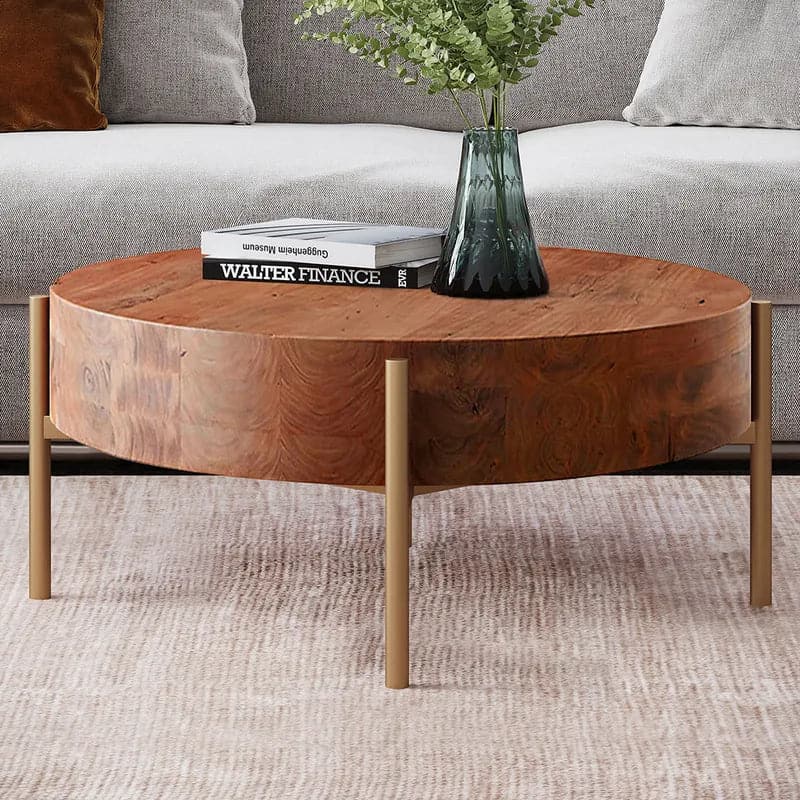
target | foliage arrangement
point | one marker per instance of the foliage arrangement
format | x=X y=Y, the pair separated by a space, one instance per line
x=477 y=47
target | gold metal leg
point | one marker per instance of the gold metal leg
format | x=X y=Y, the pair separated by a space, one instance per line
x=398 y=523
x=761 y=459
x=411 y=516
x=39 y=461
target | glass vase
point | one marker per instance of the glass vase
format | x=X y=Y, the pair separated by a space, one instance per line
x=489 y=250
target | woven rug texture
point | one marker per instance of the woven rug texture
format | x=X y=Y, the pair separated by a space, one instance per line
x=219 y=638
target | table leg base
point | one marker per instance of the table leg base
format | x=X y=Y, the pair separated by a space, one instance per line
x=761 y=459
x=39 y=459
x=398 y=523
x=398 y=489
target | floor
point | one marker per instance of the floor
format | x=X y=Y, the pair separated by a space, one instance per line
x=216 y=638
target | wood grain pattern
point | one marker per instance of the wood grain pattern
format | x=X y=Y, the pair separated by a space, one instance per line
x=627 y=363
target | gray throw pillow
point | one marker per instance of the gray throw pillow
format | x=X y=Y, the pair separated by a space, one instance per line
x=175 y=61
x=732 y=63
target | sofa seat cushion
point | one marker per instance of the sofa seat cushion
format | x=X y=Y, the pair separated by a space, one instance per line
x=718 y=198
x=722 y=199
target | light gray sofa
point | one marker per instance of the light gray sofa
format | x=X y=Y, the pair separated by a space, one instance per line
x=724 y=199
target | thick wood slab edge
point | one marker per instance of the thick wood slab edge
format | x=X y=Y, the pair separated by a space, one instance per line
x=133 y=374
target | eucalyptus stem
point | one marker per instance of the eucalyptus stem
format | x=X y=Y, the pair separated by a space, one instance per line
x=461 y=110
x=497 y=169
x=484 y=110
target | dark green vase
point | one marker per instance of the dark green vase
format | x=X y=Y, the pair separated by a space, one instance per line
x=489 y=250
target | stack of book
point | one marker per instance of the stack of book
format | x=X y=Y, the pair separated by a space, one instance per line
x=323 y=252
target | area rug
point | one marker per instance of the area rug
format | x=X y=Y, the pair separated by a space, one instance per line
x=214 y=638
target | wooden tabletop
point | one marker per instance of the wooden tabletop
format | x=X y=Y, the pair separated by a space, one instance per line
x=627 y=362
x=591 y=293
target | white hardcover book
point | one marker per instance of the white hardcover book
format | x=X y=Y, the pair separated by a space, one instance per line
x=319 y=241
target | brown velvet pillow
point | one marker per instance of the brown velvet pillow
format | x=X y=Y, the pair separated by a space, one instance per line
x=50 y=65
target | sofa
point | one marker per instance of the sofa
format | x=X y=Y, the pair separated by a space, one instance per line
x=336 y=138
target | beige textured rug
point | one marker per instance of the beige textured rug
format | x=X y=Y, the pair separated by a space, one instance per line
x=213 y=638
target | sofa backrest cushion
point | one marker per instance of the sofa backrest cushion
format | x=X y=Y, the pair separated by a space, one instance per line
x=296 y=81
x=589 y=71
x=175 y=61
x=723 y=63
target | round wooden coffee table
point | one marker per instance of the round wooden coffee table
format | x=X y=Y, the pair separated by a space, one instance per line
x=627 y=363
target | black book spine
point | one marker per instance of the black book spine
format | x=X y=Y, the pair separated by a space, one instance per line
x=394 y=277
